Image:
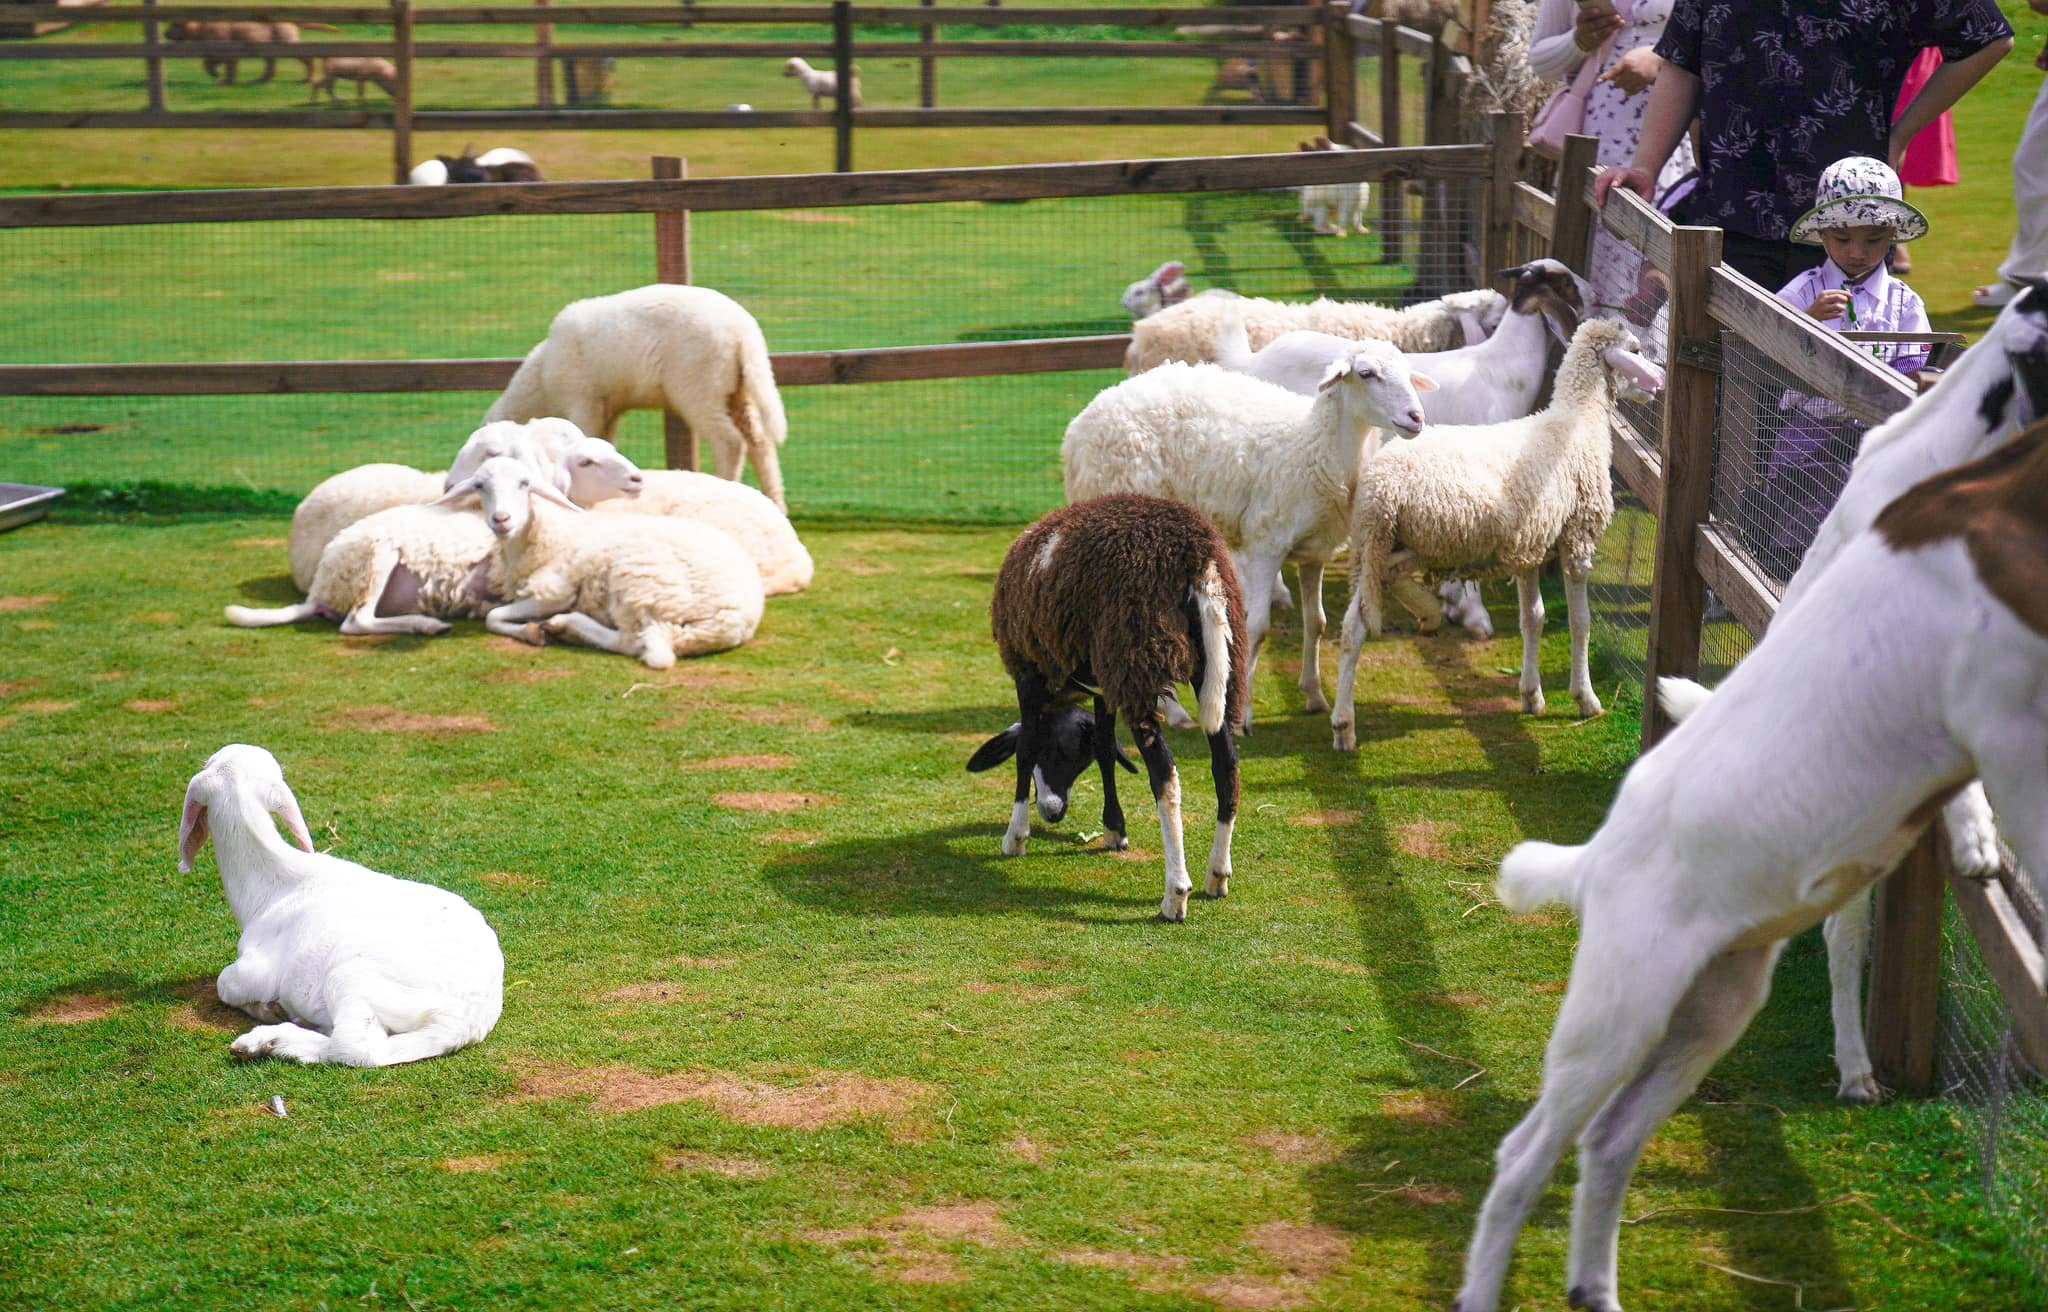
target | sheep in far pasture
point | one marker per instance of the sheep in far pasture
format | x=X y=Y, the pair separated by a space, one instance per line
x=1334 y=209
x=1164 y=286
x=822 y=83
x=688 y=350
x=360 y=71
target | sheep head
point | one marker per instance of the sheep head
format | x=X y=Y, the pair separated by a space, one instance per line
x=507 y=487
x=1166 y=285
x=1378 y=388
x=237 y=770
x=1064 y=748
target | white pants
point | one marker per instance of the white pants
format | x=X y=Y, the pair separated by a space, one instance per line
x=2029 y=252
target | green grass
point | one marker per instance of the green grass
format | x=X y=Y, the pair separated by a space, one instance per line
x=1101 y=1082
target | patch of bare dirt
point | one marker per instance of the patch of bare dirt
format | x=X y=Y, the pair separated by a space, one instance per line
x=1026 y=1149
x=156 y=617
x=29 y=603
x=481 y=1162
x=1459 y=1000
x=528 y=676
x=1110 y=1259
x=1552 y=986
x=149 y=706
x=505 y=646
x=1494 y=706
x=788 y=717
x=908 y=1240
x=511 y=879
x=732 y=1168
x=756 y=761
x=864 y=568
x=769 y=803
x=792 y=837
x=654 y=991
x=1424 y=839
x=699 y=963
x=810 y=216
x=1432 y=1107
x=104 y=676
x=819 y=1099
x=1340 y=967
x=266 y=543
x=203 y=1012
x=1306 y=1255
x=1294 y=1149
x=9 y=687
x=390 y=719
x=45 y=707
x=1029 y=994
x=1134 y=853
x=1327 y=819
x=486 y=787
x=75 y=1009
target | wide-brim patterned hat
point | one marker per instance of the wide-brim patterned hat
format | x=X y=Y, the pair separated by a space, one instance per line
x=1859 y=192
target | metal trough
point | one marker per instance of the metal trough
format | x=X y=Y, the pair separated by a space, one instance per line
x=21 y=503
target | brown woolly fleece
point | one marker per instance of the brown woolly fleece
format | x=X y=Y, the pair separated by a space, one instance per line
x=1110 y=600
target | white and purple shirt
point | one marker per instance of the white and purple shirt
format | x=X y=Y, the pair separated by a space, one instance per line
x=1878 y=303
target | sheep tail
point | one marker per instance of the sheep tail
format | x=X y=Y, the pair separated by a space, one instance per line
x=1233 y=347
x=1536 y=875
x=757 y=380
x=1681 y=697
x=254 y=618
x=1213 y=605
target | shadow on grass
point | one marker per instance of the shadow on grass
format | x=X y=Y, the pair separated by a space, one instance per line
x=121 y=990
x=277 y=589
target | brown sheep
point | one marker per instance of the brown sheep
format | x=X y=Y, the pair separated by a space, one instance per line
x=362 y=71
x=283 y=34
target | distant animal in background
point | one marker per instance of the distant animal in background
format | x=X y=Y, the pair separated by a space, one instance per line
x=1290 y=72
x=361 y=71
x=503 y=164
x=1164 y=286
x=820 y=82
x=1334 y=208
x=283 y=34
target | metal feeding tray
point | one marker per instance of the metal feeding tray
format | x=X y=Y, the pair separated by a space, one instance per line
x=21 y=503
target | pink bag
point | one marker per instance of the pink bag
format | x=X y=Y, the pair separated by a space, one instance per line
x=1564 y=114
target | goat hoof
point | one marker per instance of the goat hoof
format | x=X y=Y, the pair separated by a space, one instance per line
x=1862 y=1088
x=1532 y=702
x=1174 y=909
x=1218 y=886
x=1976 y=853
x=1344 y=737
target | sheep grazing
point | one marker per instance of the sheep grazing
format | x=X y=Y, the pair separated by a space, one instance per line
x=361 y=71
x=688 y=350
x=1166 y=285
x=1498 y=499
x=1187 y=332
x=1816 y=766
x=1333 y=209
x=644 y=586
x=748 y=517
x=1118 y=600
x=1998 y=385
x=822 y=83
x=344 y=964
x=1273 y=470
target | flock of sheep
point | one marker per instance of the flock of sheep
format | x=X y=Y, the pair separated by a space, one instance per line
x=1250 y=434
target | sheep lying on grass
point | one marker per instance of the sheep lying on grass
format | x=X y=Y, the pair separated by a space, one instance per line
x=1187 y=332
x=687 y=350
x=347 y=965
x=1117 y=600
x=750 y=518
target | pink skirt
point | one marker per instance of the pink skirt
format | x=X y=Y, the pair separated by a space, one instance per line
x=1931 y=156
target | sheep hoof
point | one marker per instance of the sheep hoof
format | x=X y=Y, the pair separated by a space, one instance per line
x=1317 y=703
x=1344 y=737
x=1114 y=841
x=1579 y=1298
x=1174 y=908
x=1532 y=702
x=1014 y=846
x=1218 y=885
x=1589 y=705
x=1861 y=1087
x=533 y=635
x=1976 y=853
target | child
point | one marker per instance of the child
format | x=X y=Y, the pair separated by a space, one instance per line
x=1859 y=214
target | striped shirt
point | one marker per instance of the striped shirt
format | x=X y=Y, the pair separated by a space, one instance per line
x=1880 y=303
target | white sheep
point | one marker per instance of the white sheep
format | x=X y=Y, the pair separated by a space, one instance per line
x=750 y=518
x=1998 y=385
x=645 y=586
x=1273 y=470
x=1333 y=209
x=688 y=350
x=1187 y=332
x=1498 y=499
x=1916 y=660
x=1164 y=286
x=822 y=83
x=345 y=965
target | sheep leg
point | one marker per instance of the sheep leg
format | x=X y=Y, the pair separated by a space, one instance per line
x=1529 y=589
x=1579 y=615
x=581 y=628
x=288 y=1040
x=1973 y=834
x=1032 y=695
x=1313 y=622
x=1223 y=764
x=1114 y=831
x=1165 y=779
x=1711 y=1016
x=515 y=619
x=1848 y=938
x=247 y=986
x=384 y=564
x=1343 y=715
x=1258 y=573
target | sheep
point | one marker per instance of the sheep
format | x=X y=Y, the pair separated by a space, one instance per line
x=689 y=350
x=750 y=518
x=361 y=71
x=644 y=586
x=344 y=964
x=587 y=468
x=1166 y=285
x=1498 y=499
x=1272 y=469
x=821 y=83
x=1333 y=209
x=1818 y=764
x=1119 y=599
x=502 y=164
x=1187 y=332
x=1997 y=385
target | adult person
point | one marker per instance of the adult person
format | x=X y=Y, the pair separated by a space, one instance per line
x=1782 y=88
x=2029 y=252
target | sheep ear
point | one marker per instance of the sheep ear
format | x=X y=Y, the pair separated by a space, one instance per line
x=1423 y=382
x=286 y=808
x=996 y=750
x=1555 y=316
x=1334 y=374
x=191 y=829
x=462 y=489
x=547 y=492
x=1634 y=368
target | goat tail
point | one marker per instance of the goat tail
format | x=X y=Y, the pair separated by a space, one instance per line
x=1681 y=697
x=1536 y=875
x=1213 y=606
x=1233 y=347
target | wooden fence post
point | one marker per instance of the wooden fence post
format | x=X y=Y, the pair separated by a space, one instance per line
x=1677 y=593
x=1498 y=248
x=401 y=100
x=672 y=265
x=544 y=67
x=1393 y=191
x=842 y=100
x=1340 y=72
x=1905 y=966
x=153 y=69
x=927 y=67
x=1571 y=223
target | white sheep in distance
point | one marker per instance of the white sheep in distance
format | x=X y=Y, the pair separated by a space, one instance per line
x=822 y=83
x=645 y=586
x=1164 y=286
x=1997 y=386
x=345 y=965
x=1916 y=661
x=1333 y=209
x=1114 y=599
x=688 y=350
x=1498 y=499
x=1273 y=470
x=1187 y=332
x=750 y=518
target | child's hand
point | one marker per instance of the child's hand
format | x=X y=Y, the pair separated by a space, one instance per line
x=1829 y=305
x=1634 y=71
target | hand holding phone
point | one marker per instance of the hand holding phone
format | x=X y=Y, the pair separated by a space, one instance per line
x=1596 y=21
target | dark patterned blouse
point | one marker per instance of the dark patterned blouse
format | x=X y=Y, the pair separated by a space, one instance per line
x=1787 y=87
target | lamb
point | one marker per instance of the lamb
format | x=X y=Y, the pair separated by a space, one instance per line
x=1333 y=209
x=1187 y=331
x=821 y=83
x=362 y=71
x=1818 y=764
x=1119 y=599
x=1998 y=385
x=1166 y=285
x=1498 y=499
x=750 y=518
x=344 y=964
x=1273 y=470
x=689 y=350
x=643 y=586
